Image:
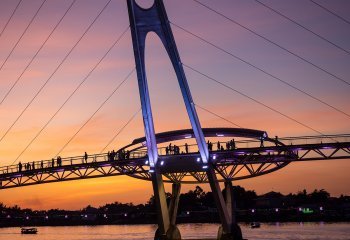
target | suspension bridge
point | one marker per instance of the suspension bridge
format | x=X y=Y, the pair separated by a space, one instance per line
x=217 y=154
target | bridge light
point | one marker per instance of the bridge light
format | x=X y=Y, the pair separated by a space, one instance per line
x=47 y=217
x=198 y=159
x=214 y=157
x=161 y=163
x=146 y=162
x=276 y=209
x=253 y=210
x=220 y=135
x=321 y=208
x=188 y=136
x=151 y=170
x=205 y=166
x=66 y=216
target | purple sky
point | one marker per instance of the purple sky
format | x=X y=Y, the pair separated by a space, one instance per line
x=165 y=94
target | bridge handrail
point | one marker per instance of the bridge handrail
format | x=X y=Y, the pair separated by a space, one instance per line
x=192 y=148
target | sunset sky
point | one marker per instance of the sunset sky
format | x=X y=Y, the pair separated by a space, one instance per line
x=64 y=62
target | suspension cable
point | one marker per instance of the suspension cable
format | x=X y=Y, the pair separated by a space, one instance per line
x=279 y=46
x=331 y=12
x=13 y=13
x=30 y=23
x=47 y=81
x=70 y=96
x=217 y=115
x=303 y=27
x=253 y=99
x=261 y=70
x=37 y=52
x=98 y=109
x=120 y=130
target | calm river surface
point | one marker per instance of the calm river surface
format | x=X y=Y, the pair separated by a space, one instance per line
x=268 y=231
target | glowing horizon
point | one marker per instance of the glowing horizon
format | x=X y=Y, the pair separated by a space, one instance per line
x=168 y=109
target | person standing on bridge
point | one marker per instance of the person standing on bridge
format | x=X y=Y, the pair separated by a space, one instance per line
x=186 y=148
x=19 y=167
x=218 y=146
x=85 y=157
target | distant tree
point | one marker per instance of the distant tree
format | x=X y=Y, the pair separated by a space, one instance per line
x=318 y=196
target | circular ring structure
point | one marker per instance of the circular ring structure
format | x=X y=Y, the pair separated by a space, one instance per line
x=237 y=153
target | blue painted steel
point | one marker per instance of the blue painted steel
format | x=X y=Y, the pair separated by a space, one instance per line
x=155 y=19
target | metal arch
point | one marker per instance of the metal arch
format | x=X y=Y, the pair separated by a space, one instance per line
x=155 y=19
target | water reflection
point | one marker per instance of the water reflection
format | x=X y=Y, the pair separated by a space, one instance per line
x=292 y=231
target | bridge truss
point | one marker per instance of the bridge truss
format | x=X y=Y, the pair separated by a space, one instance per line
x=250 y=157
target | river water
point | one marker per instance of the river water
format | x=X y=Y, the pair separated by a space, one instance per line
x=268 y=231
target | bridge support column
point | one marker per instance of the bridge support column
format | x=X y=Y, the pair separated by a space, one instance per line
x=227 y=230
x=174 y=202
x=231 y=209
x=167 y=229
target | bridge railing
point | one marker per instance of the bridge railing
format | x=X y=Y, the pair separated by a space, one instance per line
x=69 y=161
x=253 y=143
x=170 y=150
x=315 y=139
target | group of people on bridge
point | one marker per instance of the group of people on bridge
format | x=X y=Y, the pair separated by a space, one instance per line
x=174 y=149
x=121 y=155
x=39 y=165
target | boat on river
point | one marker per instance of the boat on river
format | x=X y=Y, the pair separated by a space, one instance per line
x=255 y=225
x=29 y=230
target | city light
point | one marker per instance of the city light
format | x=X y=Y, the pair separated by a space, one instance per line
x=161 y=163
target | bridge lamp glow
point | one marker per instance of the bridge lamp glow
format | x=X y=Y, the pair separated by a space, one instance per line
x=321 y=208
x=214 y=157
x=146 y=162
x=220 y=135
x=151 y=170
x=27 y=217
x=161 y=163
x=47 y=217
x=253 y=210
x=205 y=166
x=188 y=136
x=66 y=216
x=276 y=210
x=198 y=159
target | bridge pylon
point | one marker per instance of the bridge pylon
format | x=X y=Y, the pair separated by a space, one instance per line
x=154 y=19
